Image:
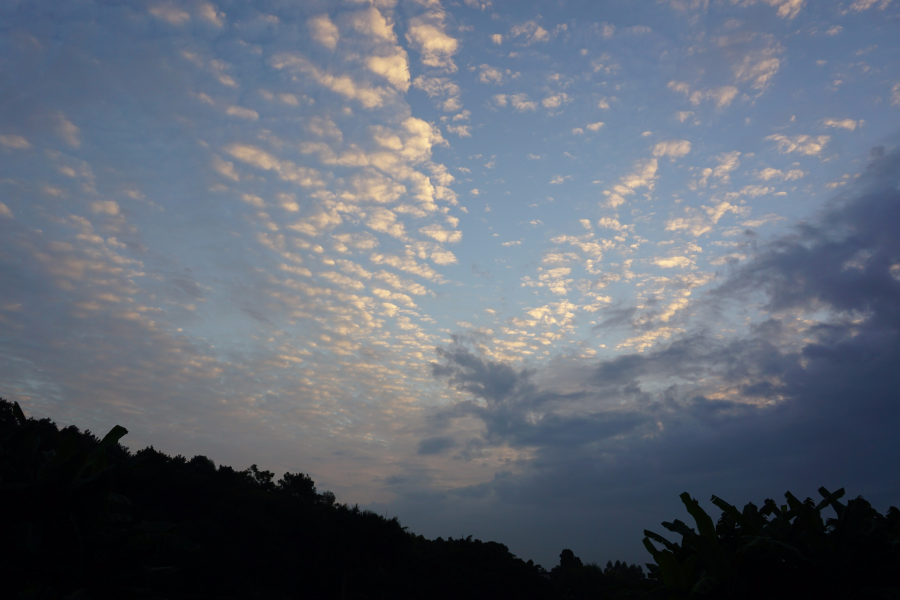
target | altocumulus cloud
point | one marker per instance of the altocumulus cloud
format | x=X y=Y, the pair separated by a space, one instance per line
x=605 y=448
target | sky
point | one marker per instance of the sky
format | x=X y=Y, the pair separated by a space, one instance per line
x=519 y=270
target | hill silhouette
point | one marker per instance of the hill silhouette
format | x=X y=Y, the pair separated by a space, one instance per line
x=84 y=517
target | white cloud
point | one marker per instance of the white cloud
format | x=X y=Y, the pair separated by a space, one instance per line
x=254 y=201
x=699 y=222
x=287 y=170
x=895 y=94
x=787 y=9
x=673 y=261
x=440 y=87
x=672 y=148
x=643 y=175
x=358 y=241
x=497 y=38
x=522 y=103
x=848 y=124
x=225 y=168
x=385 y=221
x=804 y=144
x=394 y=68
x=490 y=75
x=531 y=31
x=372 y=22
x=5 y=212
x=595 y=126
x=769 y=218
x=445 y=236
x=610 y=223
x=68 y=131
x=433 y=44
x=770 y=173
x=16 y=142
x=369 y=97
x=460 y=130
x=242 y=113
x=170 y=13
x=722 y=96
x=555 y=101
x=105 y=207
x=208 y=12
x=861 y=5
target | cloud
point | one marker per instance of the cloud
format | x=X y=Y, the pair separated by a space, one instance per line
x=427 y=36
x=242 y=113
x=394 y=68
x=804 y=144
x=770 y=173
x=344 y=85
x=170 y=13
x=373 y=23
x=445 y=236
x=286 y=169
x=106 y=207
x=555 y=100
x=435 y=445
x=673 y=261
x=520 y=102
x=209 y=13
x=68 y=131
x=861 y=5
x=5 y=212
x=722 y=96
x=497 y=38
x=324 y=31
x=643 y=175
x=488 y=74
x=848 y=124
x=672 y=148
x=441 y=87
x=698 y=222
x=16 y=142
x=460 y=130
x=787 y=9
x=385 y=221
x=531 y=32
x=595 y=126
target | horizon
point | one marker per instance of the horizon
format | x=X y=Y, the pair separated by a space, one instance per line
x=521 y=271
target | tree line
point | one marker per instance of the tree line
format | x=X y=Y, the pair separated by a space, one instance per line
x=85 y=518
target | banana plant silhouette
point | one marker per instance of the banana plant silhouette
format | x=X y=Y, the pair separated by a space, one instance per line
x=747 y=554
x=69 y=529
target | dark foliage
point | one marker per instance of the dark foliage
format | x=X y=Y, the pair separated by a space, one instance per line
x=781 y=552
x=84 y=518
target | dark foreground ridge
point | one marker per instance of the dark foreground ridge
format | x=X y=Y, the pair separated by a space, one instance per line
x=84 y=518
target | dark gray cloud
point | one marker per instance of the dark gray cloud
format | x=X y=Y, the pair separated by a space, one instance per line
x=435 y=445
x=744 y=418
